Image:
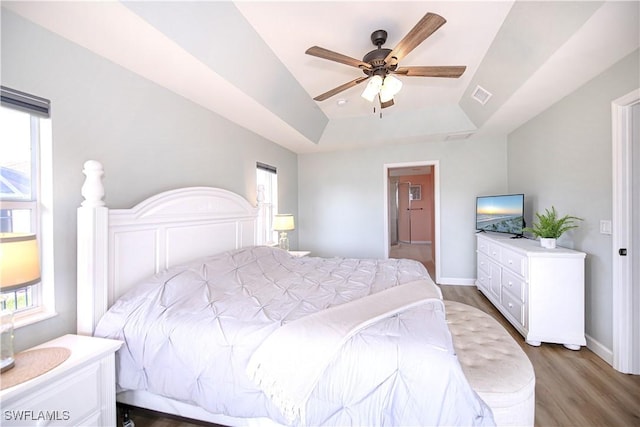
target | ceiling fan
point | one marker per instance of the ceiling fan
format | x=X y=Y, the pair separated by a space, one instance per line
x=380 y=64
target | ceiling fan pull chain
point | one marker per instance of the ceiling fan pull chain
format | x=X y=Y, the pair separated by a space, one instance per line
x=375 y=105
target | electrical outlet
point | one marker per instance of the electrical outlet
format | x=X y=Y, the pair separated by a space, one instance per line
x=605 y=226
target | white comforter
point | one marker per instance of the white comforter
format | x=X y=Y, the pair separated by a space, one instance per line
x=189 y=334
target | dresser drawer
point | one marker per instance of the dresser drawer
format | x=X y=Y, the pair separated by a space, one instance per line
x=513 y=261
x=494 y=251
x=78 y=392
x=66 y=402
x=483 y=245
x=514 y=284
x=514 y=307
x=483 y=263
x=483 y=282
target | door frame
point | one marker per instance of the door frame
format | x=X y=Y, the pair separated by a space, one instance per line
x=625 y=343
x=435 y=164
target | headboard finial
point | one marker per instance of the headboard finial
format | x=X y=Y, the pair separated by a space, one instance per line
x=92 y=189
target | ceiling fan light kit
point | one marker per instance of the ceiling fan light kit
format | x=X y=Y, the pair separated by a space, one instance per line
x=372 y=89
x=390 y=88
x=379 y=64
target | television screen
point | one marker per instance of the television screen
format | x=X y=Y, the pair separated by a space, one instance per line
x=500 y=214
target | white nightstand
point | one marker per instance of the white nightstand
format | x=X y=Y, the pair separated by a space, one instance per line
x=78 y=392
x=299 y=254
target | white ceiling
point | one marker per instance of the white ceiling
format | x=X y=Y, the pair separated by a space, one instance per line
x=246 y=61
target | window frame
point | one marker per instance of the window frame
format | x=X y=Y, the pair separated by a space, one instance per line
x=39 y=203
x=270 y=203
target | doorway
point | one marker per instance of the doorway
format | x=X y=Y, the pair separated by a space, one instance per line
x=626 y=233
x=411 y=201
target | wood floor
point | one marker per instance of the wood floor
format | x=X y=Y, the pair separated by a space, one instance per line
x=573 y=388
x=419 y=252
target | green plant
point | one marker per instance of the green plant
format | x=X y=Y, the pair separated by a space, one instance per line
x=550 y=226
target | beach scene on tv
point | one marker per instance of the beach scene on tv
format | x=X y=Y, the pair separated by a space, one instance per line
x=502 y=214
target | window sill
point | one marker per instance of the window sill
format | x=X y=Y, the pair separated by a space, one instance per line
x=30 y=317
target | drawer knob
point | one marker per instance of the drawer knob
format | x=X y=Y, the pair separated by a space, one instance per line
x=510 y=305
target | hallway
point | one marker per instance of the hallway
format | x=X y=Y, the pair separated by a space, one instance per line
x=418 y=251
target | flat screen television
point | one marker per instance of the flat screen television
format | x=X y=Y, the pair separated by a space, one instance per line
x=500 y=214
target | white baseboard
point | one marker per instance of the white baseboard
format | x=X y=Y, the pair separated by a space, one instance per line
x=600 y=350
x=456 y=281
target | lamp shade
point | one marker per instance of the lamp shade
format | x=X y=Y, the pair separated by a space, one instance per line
x=283 y=222
x=19 y=260
x=372 y=88
x=390 y=87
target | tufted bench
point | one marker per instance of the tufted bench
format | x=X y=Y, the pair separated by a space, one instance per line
x=495 y=365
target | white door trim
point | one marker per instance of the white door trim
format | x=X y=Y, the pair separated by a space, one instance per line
x=624 y=341
x=436 y=206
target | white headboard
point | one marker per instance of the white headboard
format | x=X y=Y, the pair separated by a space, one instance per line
x=119 y=247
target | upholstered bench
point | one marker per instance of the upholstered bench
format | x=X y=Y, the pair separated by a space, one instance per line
x=495 y=365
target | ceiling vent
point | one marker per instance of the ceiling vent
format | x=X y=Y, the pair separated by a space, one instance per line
x=481 y=95
x=457 y=136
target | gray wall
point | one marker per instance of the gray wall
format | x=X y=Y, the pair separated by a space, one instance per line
x=342 y=200
x=147 y=138
x=563 y=158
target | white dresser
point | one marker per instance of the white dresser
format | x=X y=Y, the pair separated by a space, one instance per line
x=78 y=392
x=539 y=291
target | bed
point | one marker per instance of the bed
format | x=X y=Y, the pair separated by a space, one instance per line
x=219 y=328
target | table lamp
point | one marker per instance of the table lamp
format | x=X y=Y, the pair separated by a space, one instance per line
x=283 y=223
x=19 y=266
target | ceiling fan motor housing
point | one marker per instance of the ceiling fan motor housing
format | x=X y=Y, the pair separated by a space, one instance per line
x=377 y=56
x=379 y=37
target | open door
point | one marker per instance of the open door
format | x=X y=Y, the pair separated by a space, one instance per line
x=412 y=225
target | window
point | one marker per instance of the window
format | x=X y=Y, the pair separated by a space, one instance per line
x=267 y=181
x=24 y=128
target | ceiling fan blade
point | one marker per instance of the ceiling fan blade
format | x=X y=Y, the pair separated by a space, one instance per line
x=423 y=29
x=386 y=104
x=454 y=71
x=323 y=53
x=339 y=89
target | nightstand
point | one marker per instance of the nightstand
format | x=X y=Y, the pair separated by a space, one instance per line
x=299 y=254
x=78 y=392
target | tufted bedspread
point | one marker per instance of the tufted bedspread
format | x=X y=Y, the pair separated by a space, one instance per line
x=190 y=331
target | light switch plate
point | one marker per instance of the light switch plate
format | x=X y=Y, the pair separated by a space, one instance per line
x=605 y=226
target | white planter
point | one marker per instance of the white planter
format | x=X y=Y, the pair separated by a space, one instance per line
x=548 y=243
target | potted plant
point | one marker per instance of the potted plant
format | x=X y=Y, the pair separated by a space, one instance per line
x=550 y=227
